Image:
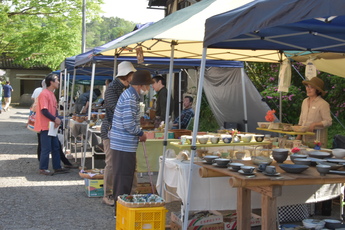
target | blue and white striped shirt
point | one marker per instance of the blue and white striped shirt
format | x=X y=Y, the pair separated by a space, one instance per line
x=125 y=130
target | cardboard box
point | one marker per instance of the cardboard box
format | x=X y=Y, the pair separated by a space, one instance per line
x=219 y=226
x=145 y=188
x=160 y=135
x=94 y=187
x=230 y=221
x=214 y=218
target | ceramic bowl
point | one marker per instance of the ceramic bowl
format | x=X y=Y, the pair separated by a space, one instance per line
x=338 y=153
x=259 y=138
x=280 y=155
x=323 y=169
x=214 y=140
x=332 y=224
x=264 y=125
x=302 y=161
x=210 y=158
x=246 y=138
x=294 y=156
x=236 y=166
x=261 y=159
x=299 y=128
x=239 y=155
x=319 y=154
x=227 y=139
x=202 y=139
x=222 y=161
x=315 y=161
x=313 y=224
x=290 y=168
x=247 y=169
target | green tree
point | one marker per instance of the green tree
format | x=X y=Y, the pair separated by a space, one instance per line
x=43 y=32
x=99 y=32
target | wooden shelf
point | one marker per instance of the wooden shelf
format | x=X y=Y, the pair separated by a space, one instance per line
x=286 y=132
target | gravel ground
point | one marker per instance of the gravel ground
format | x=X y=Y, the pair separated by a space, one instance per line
x=32 y=201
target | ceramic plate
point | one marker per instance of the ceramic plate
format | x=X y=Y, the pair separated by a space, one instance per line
x=337 y=172
x=232 y=169
x=241 y=172
x=219 y=166
x=205 y=162
x=335 y=160
x=269 y=174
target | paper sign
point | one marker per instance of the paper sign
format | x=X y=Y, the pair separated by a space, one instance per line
x=52 y=130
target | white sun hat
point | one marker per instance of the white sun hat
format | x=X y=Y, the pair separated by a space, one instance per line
x=125 y=68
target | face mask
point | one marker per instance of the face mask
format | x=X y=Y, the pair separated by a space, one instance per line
x=142 y=92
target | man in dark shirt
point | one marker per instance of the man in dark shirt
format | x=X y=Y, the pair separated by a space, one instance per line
x=186 y=115
x=111 y=96
x=162 y=92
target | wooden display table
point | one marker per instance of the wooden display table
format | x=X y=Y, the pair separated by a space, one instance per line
x=285 y=132
x=269 y=187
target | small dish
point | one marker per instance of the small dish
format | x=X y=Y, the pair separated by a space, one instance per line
x=269 y=174
x=206 y=162
x=334 y=166
x=241 y=172
x=319 y=154
x=337 y=172
x=233 y=169
x=219 y=166
x=335 y=160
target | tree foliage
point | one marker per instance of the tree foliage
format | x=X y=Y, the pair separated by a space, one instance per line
x=43 y=32
x=99 y=32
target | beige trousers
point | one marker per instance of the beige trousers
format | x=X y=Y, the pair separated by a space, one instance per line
x=108 y=169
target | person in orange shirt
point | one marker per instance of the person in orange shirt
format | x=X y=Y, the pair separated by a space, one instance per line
x=46 y=111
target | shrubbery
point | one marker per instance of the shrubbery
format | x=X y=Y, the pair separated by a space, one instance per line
x=265 y=78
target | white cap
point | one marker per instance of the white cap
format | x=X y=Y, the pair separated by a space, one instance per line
x=125 y=68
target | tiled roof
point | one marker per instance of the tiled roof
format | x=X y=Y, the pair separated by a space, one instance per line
x=7 y=62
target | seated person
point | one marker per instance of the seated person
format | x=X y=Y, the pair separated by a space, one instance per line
x=82 y=103
x=186 y=115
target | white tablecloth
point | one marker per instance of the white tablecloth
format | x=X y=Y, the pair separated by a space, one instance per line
x=216 y=193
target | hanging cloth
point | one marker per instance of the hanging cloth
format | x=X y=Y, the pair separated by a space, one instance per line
x=284 y=76
x=310 y=69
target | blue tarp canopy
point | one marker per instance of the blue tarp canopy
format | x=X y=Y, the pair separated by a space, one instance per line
x=310 y=25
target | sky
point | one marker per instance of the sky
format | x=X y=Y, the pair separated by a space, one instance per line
x=131 y=10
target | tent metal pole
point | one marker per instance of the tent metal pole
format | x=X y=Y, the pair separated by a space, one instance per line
x=244 y=101
x=179 y=98
x=195 y=131
x=89 y=113
x=280 y=106
x=64 y=109
x=72 y=91
x=115 y=65
x=165 y=142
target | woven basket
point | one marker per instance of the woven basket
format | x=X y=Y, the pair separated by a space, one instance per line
x=140 y=205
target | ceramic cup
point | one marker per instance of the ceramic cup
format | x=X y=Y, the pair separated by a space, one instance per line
x=239 y=155
x=247 y=169
x=263 y=166
x=270 y=169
